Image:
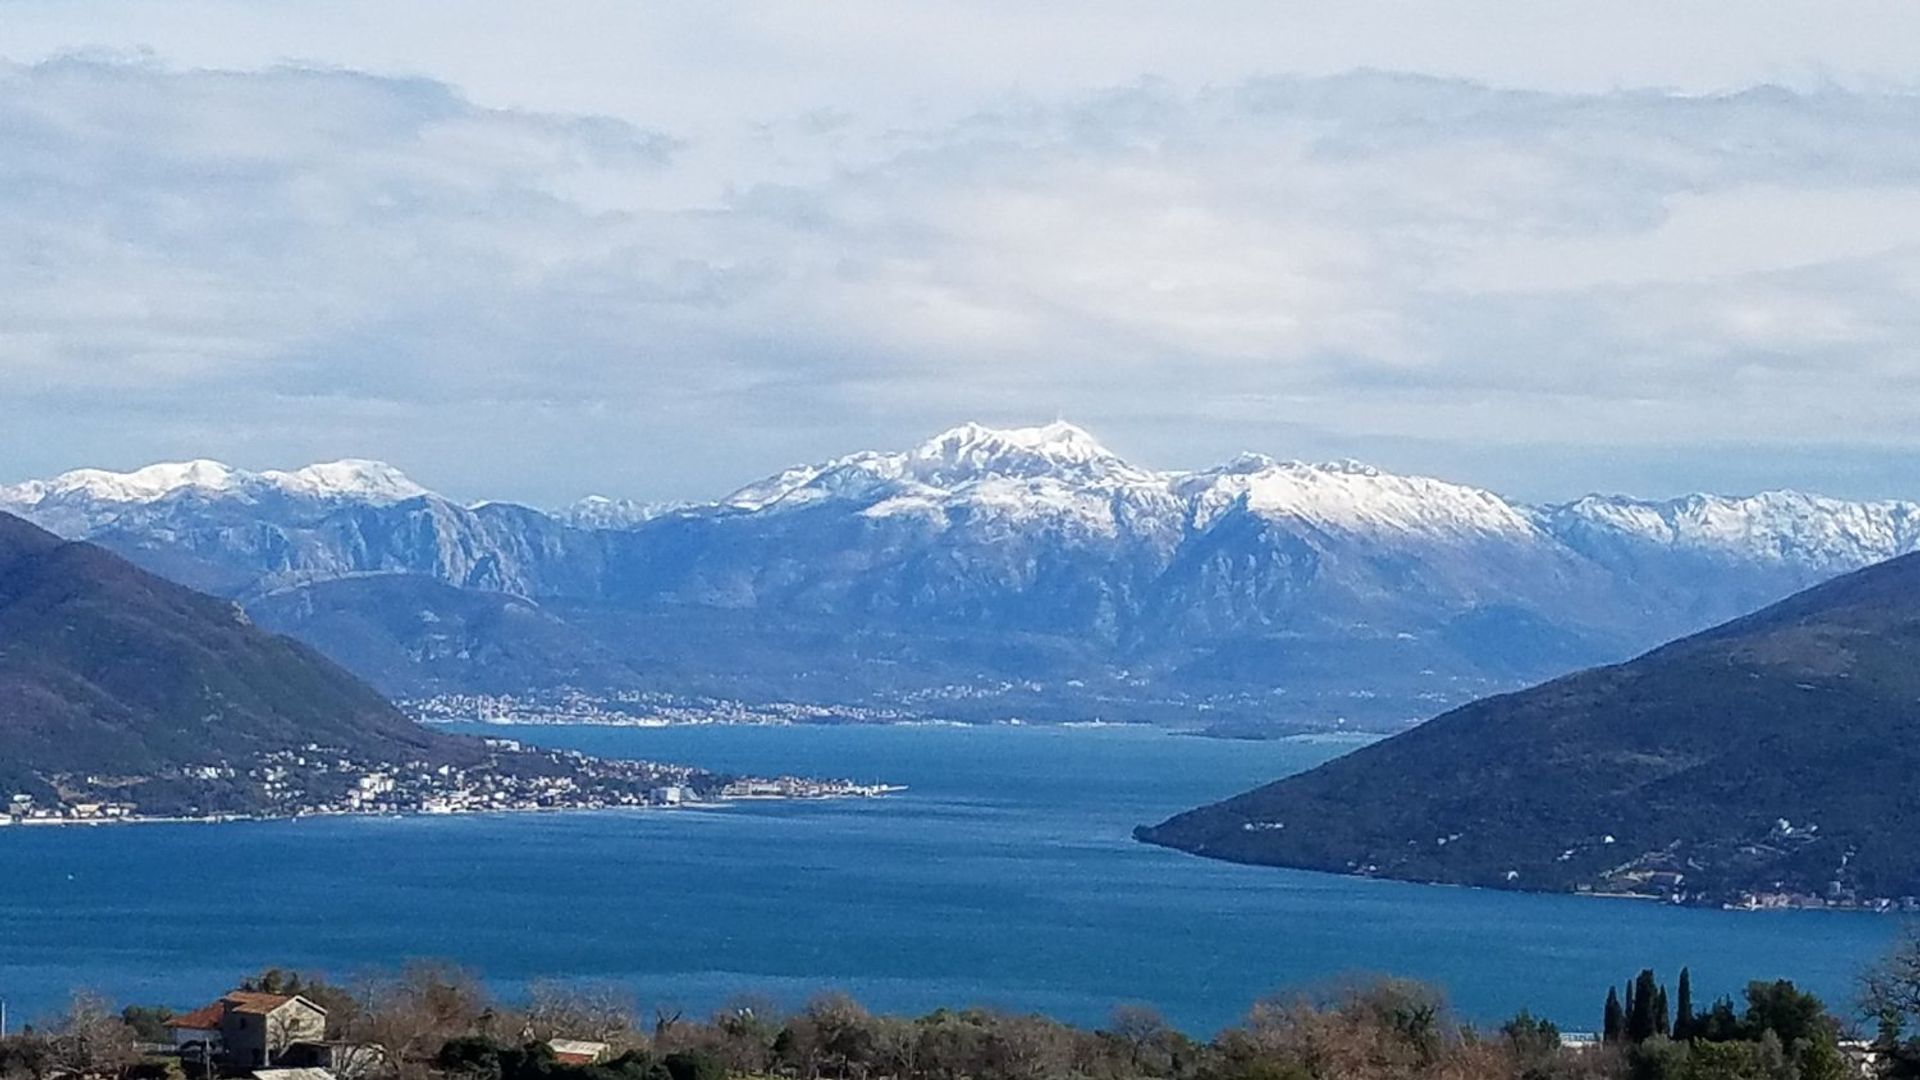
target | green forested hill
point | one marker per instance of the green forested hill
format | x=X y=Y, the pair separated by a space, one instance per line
x=108 y=670
x=1778 y=753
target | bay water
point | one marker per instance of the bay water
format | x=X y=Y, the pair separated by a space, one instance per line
x=1004 y=876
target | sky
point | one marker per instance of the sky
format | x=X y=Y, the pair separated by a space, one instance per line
x=531 y=251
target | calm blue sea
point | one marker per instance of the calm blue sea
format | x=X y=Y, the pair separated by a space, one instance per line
x=1006 y=876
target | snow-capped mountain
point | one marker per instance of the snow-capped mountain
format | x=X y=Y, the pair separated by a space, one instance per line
x=1045 y=480
x=601 y=512
x=1785 y=528
x=141 y=485
x=1044 y=530
x=85 y=500
x=1060 y=476
x=352 y=479
x=1354 y=498
x=984 y=569
x=245 y=534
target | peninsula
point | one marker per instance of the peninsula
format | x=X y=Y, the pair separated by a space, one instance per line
x=126 y=697
x=1767 y=762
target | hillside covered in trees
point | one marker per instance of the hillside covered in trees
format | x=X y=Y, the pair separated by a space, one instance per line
x=125 y=695
x=108 y=670
x=1766 y=760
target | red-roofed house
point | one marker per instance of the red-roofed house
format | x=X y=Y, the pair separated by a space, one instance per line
x=250 y=1030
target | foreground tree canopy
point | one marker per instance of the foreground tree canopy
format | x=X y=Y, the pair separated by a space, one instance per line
x=433 y=1022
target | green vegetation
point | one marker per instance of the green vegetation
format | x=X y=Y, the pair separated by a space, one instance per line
x=125 y=695
x=1784 y=1032
x=433 y=1022
x=109 y=671
x=1766 y=761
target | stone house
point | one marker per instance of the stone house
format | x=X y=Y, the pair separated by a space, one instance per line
x=249 y=1030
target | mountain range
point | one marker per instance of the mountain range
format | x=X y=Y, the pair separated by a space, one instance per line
x=983 y=574
x=1770 y=758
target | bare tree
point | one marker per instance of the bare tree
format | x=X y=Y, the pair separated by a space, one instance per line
x=665 y=1023
x=89 y=1039
x=357 y=1061
x=597 y=1011
x=896 y=1047
x=842 y=1031
x=741 y=1036
x=24 y=1057
x=1146 y=1037
x=410 y=1016
x=1027 y=1048
x=1384 y=1030
x=1890 y=989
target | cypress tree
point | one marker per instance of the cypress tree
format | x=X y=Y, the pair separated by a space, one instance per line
x=1661 y=1026
x=1640 y=1026
x=1683 y=1007
x=1616 y=1018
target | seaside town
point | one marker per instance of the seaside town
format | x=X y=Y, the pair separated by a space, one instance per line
x=636 y=709
x=315 y=781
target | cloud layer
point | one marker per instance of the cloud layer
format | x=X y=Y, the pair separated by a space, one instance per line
x=297 y=263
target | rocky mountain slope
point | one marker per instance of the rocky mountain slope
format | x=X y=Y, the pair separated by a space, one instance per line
x=1769 y=757
x=983 y=573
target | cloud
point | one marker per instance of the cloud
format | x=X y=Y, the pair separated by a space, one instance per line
x=298 y=261
x=1400 y=257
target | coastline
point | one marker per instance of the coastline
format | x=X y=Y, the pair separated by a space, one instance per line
x=1755 y=902
x=865 y=791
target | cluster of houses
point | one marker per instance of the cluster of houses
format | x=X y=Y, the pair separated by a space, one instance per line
x=24 y=810
x=284 y=1037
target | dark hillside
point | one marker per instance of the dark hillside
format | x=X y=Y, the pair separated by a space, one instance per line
x=107 y=670
x=1772 y=755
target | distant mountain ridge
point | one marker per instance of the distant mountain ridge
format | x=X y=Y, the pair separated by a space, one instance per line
x=1782 y=527
x=986 y=572
x=1767 y=759
x=84 y=499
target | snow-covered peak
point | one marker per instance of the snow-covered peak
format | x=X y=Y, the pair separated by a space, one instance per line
x=1246 y=461
x=1349 y=467
x=1772 y=526
x=1059 y=441
x=953 y=464
x=1060 y=474
x=847 y=477
x=335 y=481
x=347 y=479
x=140 y=485
x=602 y=512
x=1352 y=497
x=974 y=451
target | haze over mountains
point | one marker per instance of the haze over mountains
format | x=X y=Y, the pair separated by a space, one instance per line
x=983 y=574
